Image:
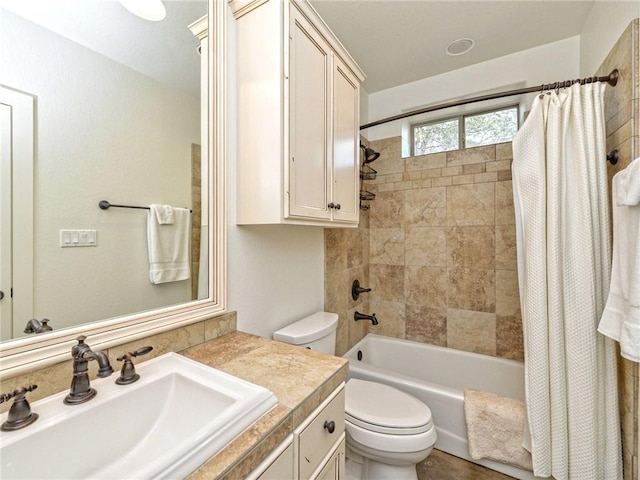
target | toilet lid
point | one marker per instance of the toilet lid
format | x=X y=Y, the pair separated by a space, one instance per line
x=385 y=409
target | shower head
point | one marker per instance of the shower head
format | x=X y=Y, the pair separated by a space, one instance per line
x=369 y=154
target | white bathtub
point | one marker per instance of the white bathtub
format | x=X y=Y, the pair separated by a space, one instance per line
x=438 y=376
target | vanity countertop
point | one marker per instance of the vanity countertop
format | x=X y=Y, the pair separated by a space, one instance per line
x=301 y=379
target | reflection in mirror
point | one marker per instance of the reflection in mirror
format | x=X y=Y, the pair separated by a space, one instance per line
x=101 y=105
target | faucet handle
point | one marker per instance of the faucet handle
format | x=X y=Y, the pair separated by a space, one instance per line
x=128 y=373
x=20 y=414
x=356 y=289
x=45 y=325
x=141 y=351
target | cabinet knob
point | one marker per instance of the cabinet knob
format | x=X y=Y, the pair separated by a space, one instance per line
x=337 y=207
x=330 y=426
x=331 y=205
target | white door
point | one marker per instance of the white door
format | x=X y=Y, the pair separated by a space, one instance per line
x=16 y=211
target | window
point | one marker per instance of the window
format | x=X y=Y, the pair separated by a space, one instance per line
x=467 y=131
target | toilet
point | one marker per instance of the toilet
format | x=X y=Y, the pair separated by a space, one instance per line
x=388 y=431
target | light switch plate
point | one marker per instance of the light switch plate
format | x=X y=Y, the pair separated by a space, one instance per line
x=78 y=238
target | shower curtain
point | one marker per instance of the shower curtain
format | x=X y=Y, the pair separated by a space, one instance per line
x=564 y=251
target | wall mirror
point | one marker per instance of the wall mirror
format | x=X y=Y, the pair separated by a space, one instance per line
x=101 y=104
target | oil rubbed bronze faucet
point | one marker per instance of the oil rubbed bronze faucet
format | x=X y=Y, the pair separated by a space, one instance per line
x=36 y=326
x=361 y=316
x=81 y=390
x=20 y=414
x=128 y=373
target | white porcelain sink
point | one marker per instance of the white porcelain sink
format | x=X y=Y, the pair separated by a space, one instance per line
x=165 y=425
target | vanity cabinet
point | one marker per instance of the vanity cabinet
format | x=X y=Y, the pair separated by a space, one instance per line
x=297 y=118
x=278 y=465
x=315 y=451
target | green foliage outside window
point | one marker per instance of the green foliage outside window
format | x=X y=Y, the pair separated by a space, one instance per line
x=436 y=137
x=480 y=129
x=492 y=127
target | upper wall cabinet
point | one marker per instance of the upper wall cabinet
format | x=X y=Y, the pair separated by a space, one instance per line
x=298 y=118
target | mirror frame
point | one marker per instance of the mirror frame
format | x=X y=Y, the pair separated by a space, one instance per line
x=27 y=354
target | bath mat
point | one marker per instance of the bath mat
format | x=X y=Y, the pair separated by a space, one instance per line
x=495 y=427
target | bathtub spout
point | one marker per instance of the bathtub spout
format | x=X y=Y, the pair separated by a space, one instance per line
x=361 y=316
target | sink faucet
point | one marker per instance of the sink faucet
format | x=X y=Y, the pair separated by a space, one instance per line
x=81 y=390
x=36 y=326
x=20 y=414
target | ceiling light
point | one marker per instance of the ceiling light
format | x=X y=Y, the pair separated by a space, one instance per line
x=460 y=46
x=152 y=10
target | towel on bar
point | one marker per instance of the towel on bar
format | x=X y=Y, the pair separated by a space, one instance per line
x=495 y=428
x=628 y=183
x=164 y=214
x=621 y=316
x=168 y=235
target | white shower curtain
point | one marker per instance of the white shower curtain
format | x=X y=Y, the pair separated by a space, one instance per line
x=564 y=251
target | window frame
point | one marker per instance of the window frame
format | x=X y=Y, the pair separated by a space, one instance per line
x=461 y=127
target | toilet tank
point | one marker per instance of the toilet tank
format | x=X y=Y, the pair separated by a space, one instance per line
x=317 y=332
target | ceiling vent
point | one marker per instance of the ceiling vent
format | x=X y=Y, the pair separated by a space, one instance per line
x=460 y=46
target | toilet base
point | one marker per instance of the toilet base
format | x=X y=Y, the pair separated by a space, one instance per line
x=359 y=467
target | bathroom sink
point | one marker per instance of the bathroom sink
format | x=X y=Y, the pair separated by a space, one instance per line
x=165 y=425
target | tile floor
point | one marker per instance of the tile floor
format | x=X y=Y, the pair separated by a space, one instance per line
x=442 y=466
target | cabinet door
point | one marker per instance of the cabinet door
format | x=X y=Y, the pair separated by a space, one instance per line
x=334 y=468
x=281 y=468
x=346 y=148
x=316 y=438
x=309 y=132
x=278 y=465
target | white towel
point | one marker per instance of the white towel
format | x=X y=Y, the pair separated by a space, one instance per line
x=168 y=236
x=164 y=214
x=621 y=317
x=628 y=185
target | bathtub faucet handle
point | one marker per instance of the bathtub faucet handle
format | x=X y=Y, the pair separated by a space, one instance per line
x=356 y=289
x=361 y=316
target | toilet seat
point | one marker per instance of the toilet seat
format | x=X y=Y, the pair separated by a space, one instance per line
x=383 y=409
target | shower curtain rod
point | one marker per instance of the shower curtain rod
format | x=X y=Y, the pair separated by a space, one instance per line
x=611 y=79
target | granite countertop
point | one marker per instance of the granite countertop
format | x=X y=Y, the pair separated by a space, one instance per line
x=301 y=379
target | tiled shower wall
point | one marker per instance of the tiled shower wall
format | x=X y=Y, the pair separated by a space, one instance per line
x=622 y=111
x=442 y=249
x=347 y=259
x=438 y=249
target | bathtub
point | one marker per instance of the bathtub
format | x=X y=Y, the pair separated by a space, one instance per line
x=438 y=376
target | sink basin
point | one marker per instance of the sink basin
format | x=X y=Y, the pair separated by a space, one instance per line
x=165 y=425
